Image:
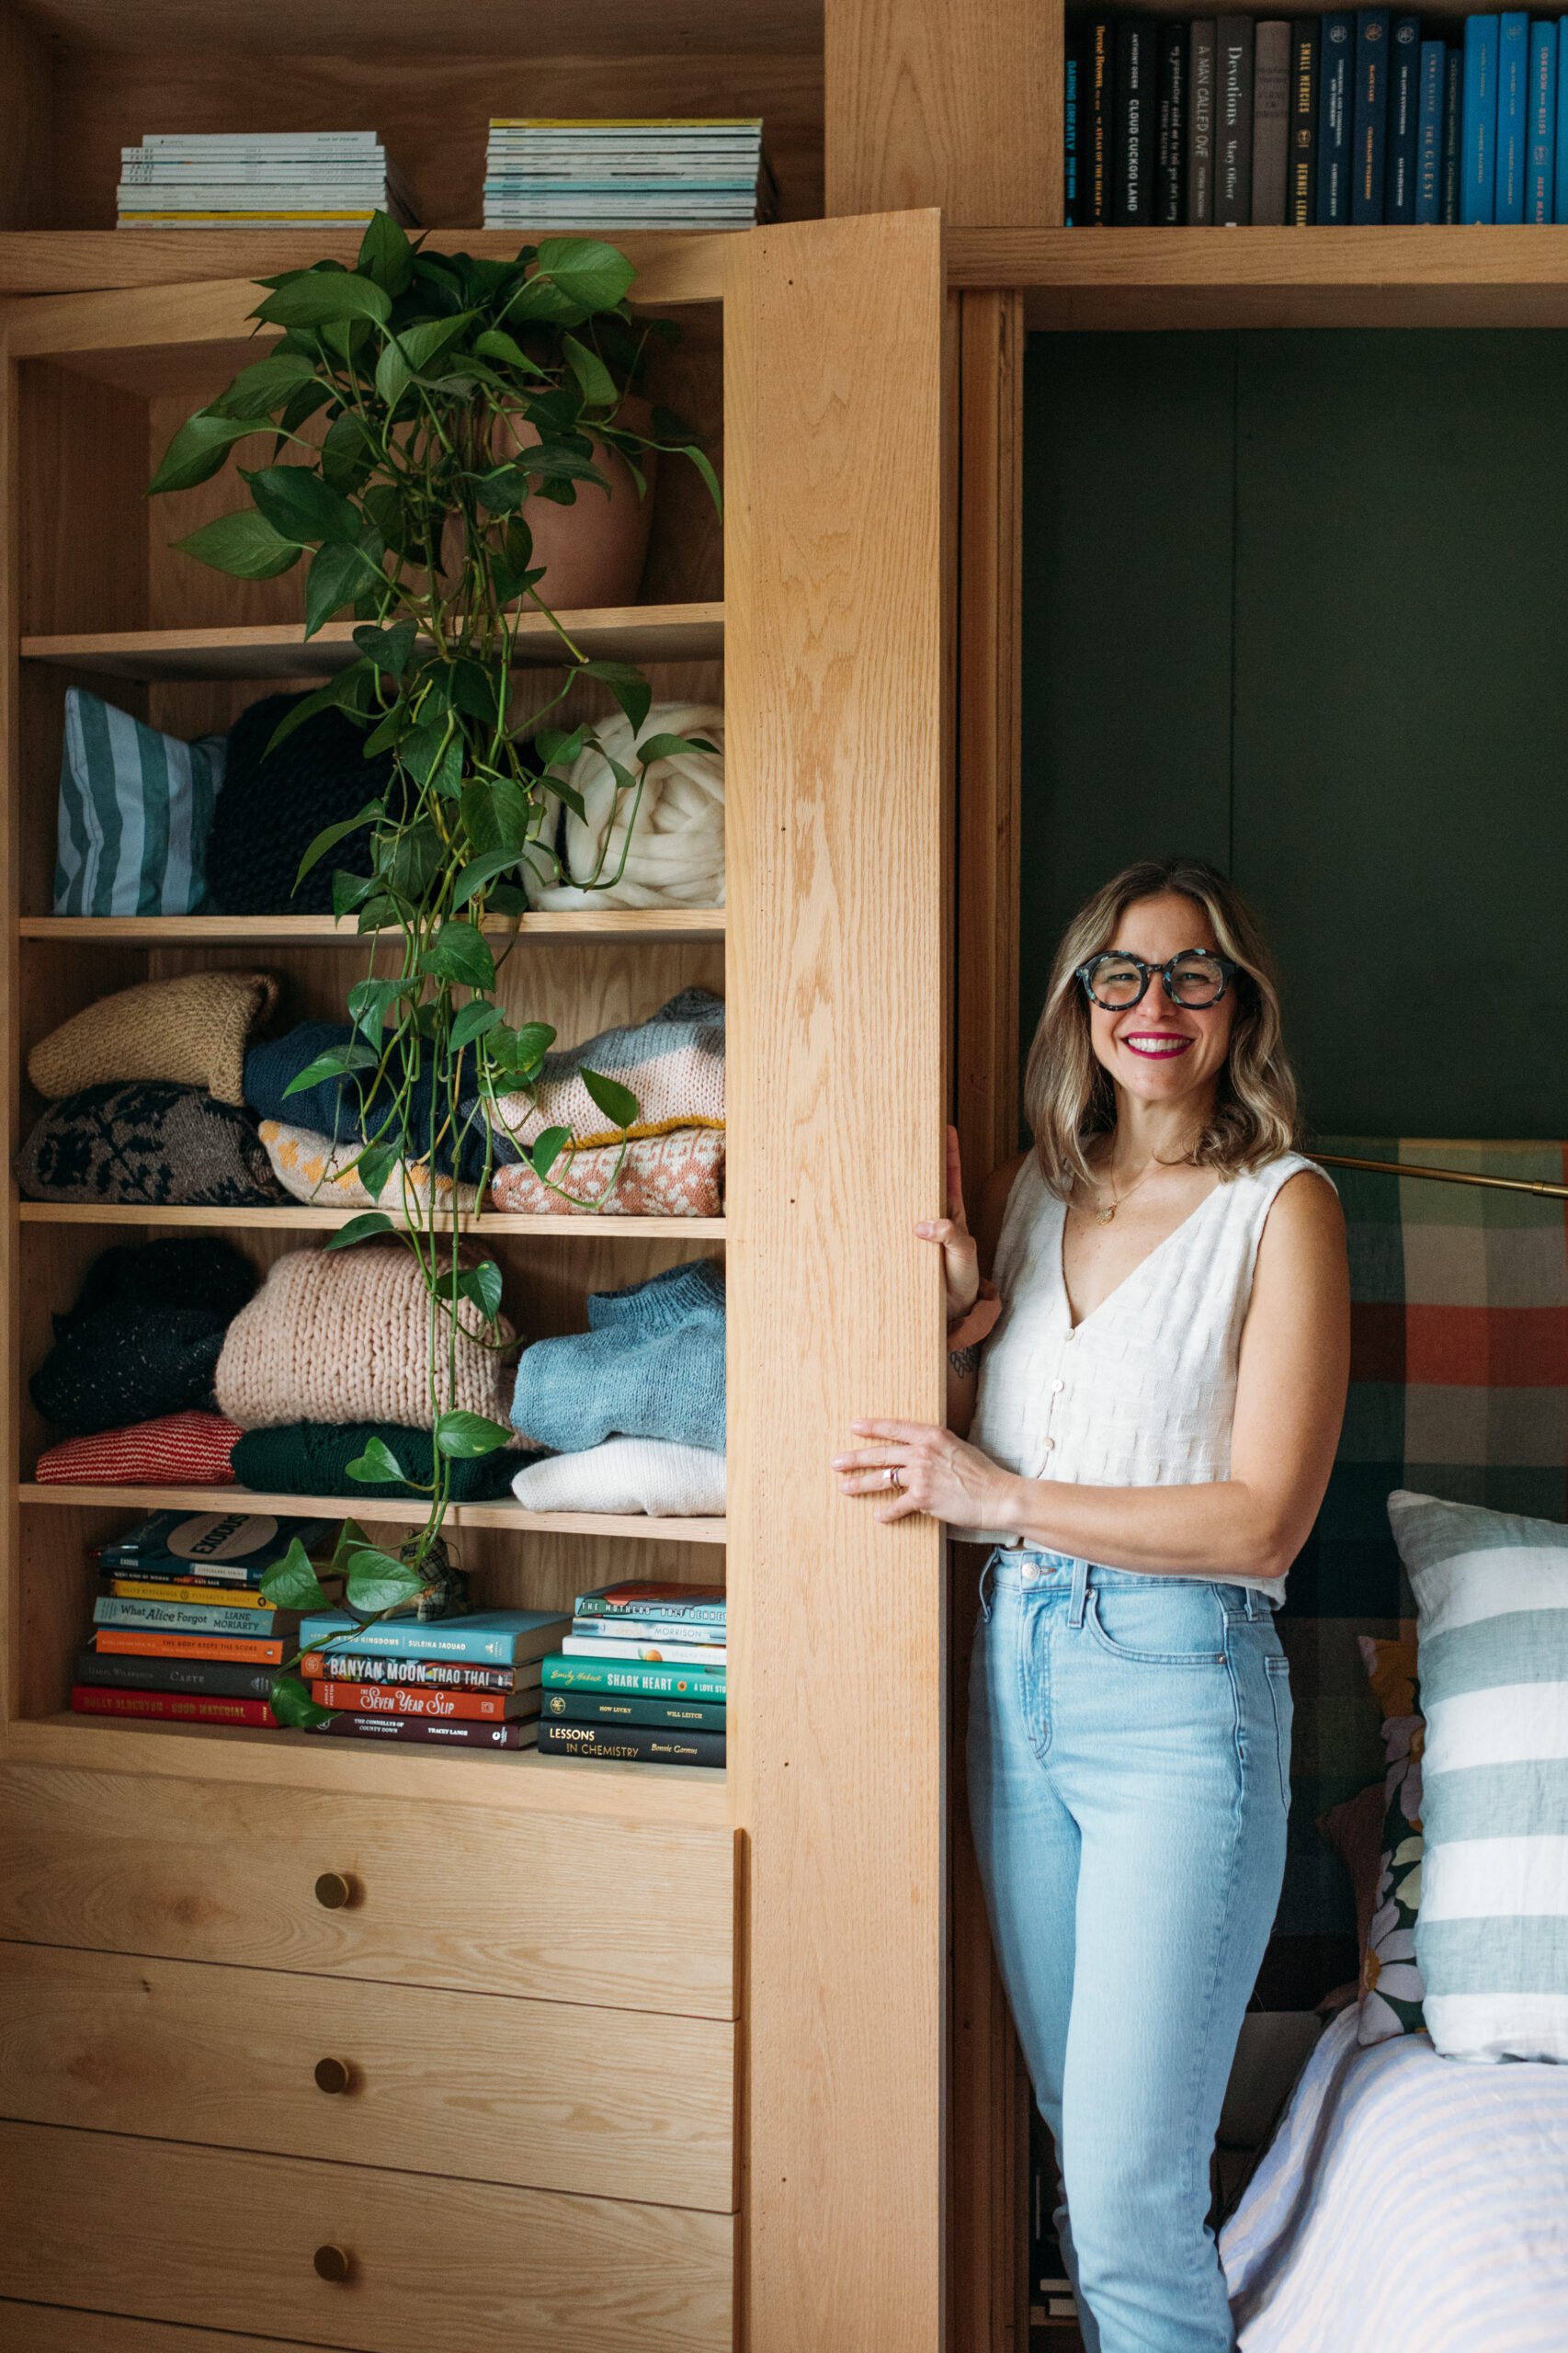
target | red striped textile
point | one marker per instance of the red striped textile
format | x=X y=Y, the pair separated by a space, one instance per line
x=176 y=1450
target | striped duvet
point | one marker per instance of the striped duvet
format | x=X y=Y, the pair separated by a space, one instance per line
x=1408 y=2204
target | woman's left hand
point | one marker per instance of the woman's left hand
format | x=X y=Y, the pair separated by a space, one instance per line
x=935 y=1473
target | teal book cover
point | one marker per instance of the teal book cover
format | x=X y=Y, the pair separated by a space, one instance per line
x=192 y=1617
x=505 y=1636
x=1513 y=118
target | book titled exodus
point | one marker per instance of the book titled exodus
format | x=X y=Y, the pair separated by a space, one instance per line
x=499 y=1637
x=216 y=1546
x=1336 y=82
x=1233 y=120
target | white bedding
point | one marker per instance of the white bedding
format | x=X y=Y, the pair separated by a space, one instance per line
x=1408 y=2204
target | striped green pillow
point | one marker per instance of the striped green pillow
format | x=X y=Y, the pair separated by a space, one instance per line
x=1492 y=1934
x=135 y=811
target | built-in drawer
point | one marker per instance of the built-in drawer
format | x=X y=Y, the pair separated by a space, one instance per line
x=544 y=2095
x=44 y=2328
x=352 y=2255
x=631 y=1914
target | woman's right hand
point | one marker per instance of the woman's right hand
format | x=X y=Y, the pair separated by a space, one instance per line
x=961 y=1258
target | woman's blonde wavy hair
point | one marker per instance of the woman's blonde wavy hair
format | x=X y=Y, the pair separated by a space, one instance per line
x=1068 y=1095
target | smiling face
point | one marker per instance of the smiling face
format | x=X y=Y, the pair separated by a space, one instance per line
x=1160 y=1051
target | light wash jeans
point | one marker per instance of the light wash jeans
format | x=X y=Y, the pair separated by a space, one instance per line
x=1128 y=1761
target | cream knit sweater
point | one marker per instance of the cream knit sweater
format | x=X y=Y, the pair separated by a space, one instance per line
x=344 y=1337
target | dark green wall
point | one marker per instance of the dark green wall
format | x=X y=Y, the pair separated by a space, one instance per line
x=1298 y=603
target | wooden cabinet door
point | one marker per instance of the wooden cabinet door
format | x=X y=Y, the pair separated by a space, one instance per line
x=837 y=710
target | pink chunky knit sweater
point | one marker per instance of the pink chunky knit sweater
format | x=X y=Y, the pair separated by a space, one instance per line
x=343 y=1337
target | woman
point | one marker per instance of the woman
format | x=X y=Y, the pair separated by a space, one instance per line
x=1156 y=1420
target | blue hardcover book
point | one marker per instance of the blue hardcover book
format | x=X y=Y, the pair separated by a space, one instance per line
x=1513 y=116
x=1336 y=63
x=1429 y=133
x=1541 y=157
x=1069 y=153
x=1405 y=119
x=1478 y=137
x=1453 y=134
x=1370 y=117
x=1560 y=170
x=193 y=1618
x=500 y=1637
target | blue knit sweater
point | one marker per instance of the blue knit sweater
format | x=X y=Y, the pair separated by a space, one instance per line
x=651 y=1365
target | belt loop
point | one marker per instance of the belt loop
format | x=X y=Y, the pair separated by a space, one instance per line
x=1251 y=1601
x=1080 y=1595
x=987 y=1578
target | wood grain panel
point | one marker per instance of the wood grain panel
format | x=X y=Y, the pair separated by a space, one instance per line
x=542 y=2094
x=26 y=124
x=630 y=926
x=838 y=849
x=49 y=2328
x=434 y=2266
x=493 y=28
x=532 y=1905
x=955 y=103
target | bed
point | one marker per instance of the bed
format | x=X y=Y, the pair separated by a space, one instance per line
x=1407 y=2201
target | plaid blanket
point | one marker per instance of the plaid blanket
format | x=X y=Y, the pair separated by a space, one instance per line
x=1459 y=1387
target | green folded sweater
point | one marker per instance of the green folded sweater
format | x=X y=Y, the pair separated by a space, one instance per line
x=312 y=1458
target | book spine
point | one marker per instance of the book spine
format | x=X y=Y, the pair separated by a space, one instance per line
x=451 y=1638
x=170 y=1707
x=606 y=1708
x=433 y=1731
x=656 y=1654
x=1134 y=202
x=408 y=1700
x=1232 y=126
x=1302 y=193
x=1478 y=171
x=646 y=1682
x=1099 y=103
x=650 y=1630
x=200 y=1676
x=1072 y=133
x=1170 y=129
x=1370 y=117
x=125 y=1641
x=1453 y=136
x=1543 y=157
x=1560 y=159
x=712 y=1611
x=1429 y=134
x=640 y=1744
x=1404 y=119
x=1271 y=122
x=186 y=1618
x=1336 y=77
x=190 y=1591
x=1201 y=143
x=361 y=1666
x=1513 y=117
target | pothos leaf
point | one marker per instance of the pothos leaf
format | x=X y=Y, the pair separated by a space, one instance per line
x=335 y=1063
x=629 y=686
x=245 y=546
x=617 y=1102
x=199 y=448
x=330 y=835
x=483 y=1285
x=362 y=1228
x=459 y=952
x=548 y=1148
x=293 y=1583
x=379 y=1581
x=376 y=1465
x=465 y=1436
x=292 y=1705
x=473 y=1020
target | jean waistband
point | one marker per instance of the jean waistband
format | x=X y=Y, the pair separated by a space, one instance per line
x=1040 y=1575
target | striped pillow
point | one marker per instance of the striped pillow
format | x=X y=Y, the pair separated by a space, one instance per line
x=135 y=811
x=1492 y=1934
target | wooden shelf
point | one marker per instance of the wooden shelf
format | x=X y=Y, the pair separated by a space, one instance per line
x=405 y=1510
x=1272 y=278
x=279 y=650
x=627 y=926
x=300 y=1217
x=520 y=1778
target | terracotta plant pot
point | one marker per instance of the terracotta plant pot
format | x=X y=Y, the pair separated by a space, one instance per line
x=593 y=551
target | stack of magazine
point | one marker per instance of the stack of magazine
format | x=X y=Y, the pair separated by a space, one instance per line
x=258 y=180
x=653 y=174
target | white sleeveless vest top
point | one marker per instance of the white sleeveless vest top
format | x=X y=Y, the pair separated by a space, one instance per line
x=1143 y=1393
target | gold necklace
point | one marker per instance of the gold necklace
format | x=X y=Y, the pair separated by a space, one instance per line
x=1104 y=1217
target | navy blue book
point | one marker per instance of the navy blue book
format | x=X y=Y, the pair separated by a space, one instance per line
x=1170 y=145
x=1453 y=134
x=1541 y=155
x=1096 y=113
x=1478 y=145
x=1133 y=206
x=1404 y=119
x=1370 y=117
x=1560 y=172
x=1429 y=133
x=1335 y=59
x=1301 y=187
x=1513 y=117
x=1071 y=157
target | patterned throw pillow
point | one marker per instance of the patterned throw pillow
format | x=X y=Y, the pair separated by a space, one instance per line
x=146 y=1142
x=314 y=1169
x=135 y=813
x=1391 y=1976
x=1492 y=1933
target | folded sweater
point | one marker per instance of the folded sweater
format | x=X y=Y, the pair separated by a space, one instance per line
x=672 y=1062
x=312 y=1458
x=145 y=1336
x=190 y=1030
x=627 y=1474
x=347 y=1110
x=651 y=1365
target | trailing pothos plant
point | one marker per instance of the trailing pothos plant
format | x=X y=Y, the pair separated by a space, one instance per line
x=445 y=394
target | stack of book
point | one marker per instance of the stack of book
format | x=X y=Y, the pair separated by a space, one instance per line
x=651 y=174
x=1324 y=121
x=180 y=1631
x=640 y=1677
x=258 y=180
x=455 y=1683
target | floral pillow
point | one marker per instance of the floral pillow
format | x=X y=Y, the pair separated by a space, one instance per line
x=1391 y=1988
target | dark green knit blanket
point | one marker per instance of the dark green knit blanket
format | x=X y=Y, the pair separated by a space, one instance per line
x=312 y=1458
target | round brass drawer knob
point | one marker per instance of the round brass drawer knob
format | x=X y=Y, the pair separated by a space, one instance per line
x=333 y=2263
x=333 y=2075
x=334 y=1888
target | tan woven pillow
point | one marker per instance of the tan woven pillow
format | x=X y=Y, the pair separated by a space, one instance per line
x=342 y=1336
x=190 y=1030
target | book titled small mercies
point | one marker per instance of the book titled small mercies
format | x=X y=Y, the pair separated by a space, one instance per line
x=1348 y=119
